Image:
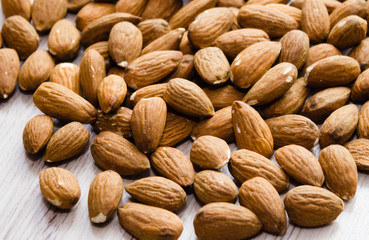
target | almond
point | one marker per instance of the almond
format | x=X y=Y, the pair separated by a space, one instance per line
x=212 y=65
x=293 y=12
x=360 y=89
x=103 y=49
x=359 y=149
x=330 y=4
x=272 y=85
x=359 y=53
x=59 y=187
x=230 y=3
x=258 y=195
x=309 y=206
x=75 y=5
x=91 y=12
x=295 y=46
x=319 y=52
x=118 y=122
x=111 y=151
x=340 y=171
x=111 y=93
x=212 y=186
x=67 y=74
x=161 y=9
x=319 y=106
x=293 y=129
x=45 y=13
x=20 y=35
x=174 y=165
x=224 y=96
x=339 y=126
x=125 y=43
x=315 y=20
x=132 y=7
x=185 y=45
x=106 y=191
x=16 y=7
x=363 y=126
x=208 y=152
x=62 y=103
x=35 y=70
x=300 y=164
x=253 y=62
x=152 y=29
x=158 y=192
x=218 y=221
x=155 y=90
x=185 y=69
x=168 y=41
x=9 y=69
x=146 y=222
x=347 y=8
x=36 y=133
x=265 y=2
x=235 y=24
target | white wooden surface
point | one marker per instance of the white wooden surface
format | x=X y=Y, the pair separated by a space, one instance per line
x=26 y=215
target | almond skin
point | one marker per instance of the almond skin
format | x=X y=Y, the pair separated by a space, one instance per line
x=118 y=122
x=188 y=98
x=17 y=7
x=212 y=186
x=258 y=195
x=59 y=187
x=161 y=9
x=331 y=5
x=111 y=93
x=106 y=191
x=149 y=223
x=208 y=152
x=218 y=221
x=174 y=165
x=319 y=52
x=185 y=45
x=152 y=29
x=245 y=165
x=75 y=5
x=250 y=129
x=293 y=12
x=9 y=69
x=103 y=49
x=148 y=122
x=91 y=12
x=295 y=46
x=185 y=69
x=339 y=126
x=359 y=149
x=132 y=7
x=111 y=151
x=223 y=96
x=300 y=164
x=265 y=2
x=340 y=171
x=45 y=13
x=155 y=90
x=230 y=3
x=293 y=129
x=36 y=133
x=67 y=74
x=20 y=35
x=363 y=126
x=359 y=53
x=169 y=41
x=315 y=20
x=158 y=192
x=309 y=206
x=67 y=142
x=347 y=8
x=62 y=103
x=253 y=62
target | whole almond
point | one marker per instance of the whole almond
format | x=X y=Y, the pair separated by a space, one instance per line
x=339 y=126
x=347 y=8
x=309 y=206
x=253 y=62
x=295 y=46
x=35 y=70
x=106 y=191
x=45 y=13
x=148 y=223
x=275 y=82
x=300 y=164
x=212 y=186
x=168 y=41
x=155 y=90
x=111 y=151
x=75 y=5
x=233 y=42
x=359 y=149
x=319 y=52
x=9 y=69
x=151 y=68
x=20 y=35
x=208 y=152
x=67 y=142
x=118 y=122
x=359 y=53
x=103 y=49
x=161 y=9
x=291 y=102
x=16 y=7
x=212 y=65
x=250 y=129
x=224 y=96
x=258 y=195
x=218 y=221
x=293 y=12
x=360 y=89
x=91 y=74
x=293 y=129
x=173 y=164
x=67 y=74
x=340 y=171
x=348 y=32
x=152 y=29
x=111 y=93
x=132 y=7
x=315 y=20
x=62 y=103
x=188 y=98
x=274 y=22
x=59 y=187
x=177 y=129
x=148 y=122
x=125 y=43
x=64 y=39
x=363 y=126
x=36 y=133
x=319 y=106
x=332 y=71
x=158 y=192
x=185 y=69
x=91 y=12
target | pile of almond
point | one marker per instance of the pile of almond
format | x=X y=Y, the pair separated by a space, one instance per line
x=262 y=73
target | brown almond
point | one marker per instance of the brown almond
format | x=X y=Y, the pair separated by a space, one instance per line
x=91 y=12
x=36 y=133
x=360 y=89
x=265 y=2
x=363 y=126
x=331 y=5
x=315 y=20
x=293 y=12
x=118 y=122
x=359 y=149
x=185 y=45
x=133 y=7
x=9 y=69
x=185 y=69
x=230 y=3
x=155 y=90
x=17 y=7
x=67 y=74
x=75 y=5
x=319 y=52
x=45 y=13
x=111 y=93
x=152 y=29
x=295 y=46
x=359 y=53
x=224 y=96
x=161 y=9
x=347 y=8
x=103 y=49
x=168 y=41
